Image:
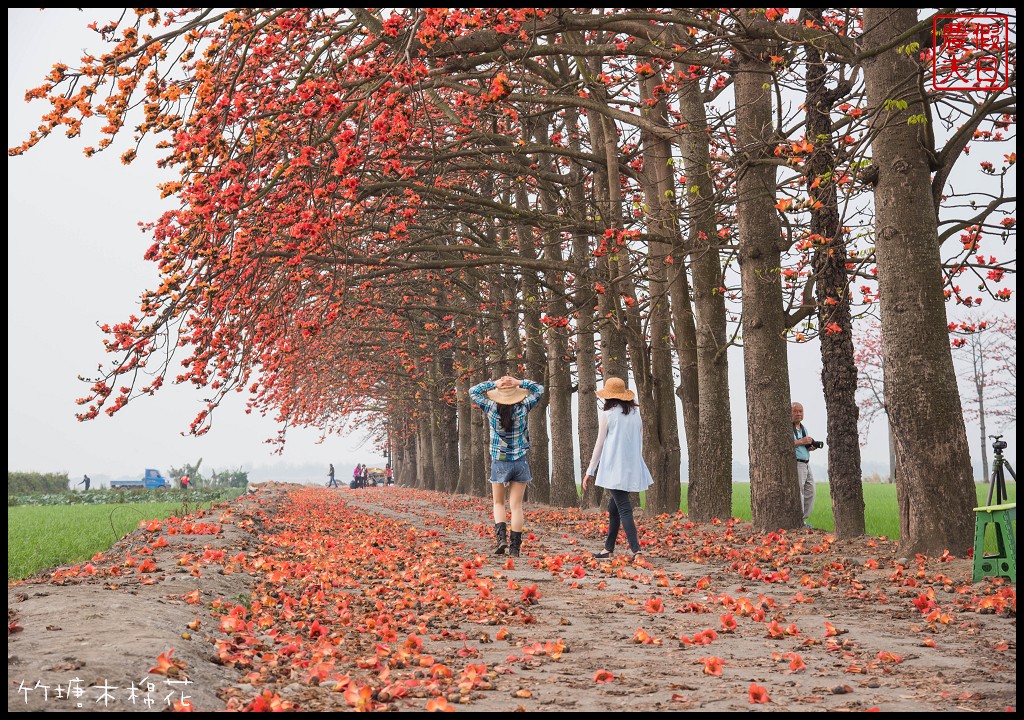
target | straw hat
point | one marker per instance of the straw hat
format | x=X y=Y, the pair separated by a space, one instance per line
x=615 y=388
x=508 y=396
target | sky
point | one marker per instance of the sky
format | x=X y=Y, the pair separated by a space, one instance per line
x=75 y=261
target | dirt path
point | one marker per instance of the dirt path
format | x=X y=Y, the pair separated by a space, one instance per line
x=320 y=599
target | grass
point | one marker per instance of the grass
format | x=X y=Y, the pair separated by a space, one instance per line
x=40 y=537
x=881 y=514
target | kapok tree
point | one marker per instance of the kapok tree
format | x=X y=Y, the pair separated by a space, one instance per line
x=774 y=492
x=934 y=484
x=987 y=351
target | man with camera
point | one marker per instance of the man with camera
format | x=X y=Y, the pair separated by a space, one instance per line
x=804 y=443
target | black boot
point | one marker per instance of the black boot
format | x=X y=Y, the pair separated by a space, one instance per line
x=501 y=537
x=517 y=541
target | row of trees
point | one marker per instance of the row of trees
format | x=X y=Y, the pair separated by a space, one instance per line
x=27 y=483
x=377 y=209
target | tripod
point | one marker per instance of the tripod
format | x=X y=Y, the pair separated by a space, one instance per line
x=998 y=486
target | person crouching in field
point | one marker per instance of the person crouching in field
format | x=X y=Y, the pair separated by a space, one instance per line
x=618 y=453
x=506 y=403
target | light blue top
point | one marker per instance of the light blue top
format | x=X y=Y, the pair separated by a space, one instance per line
x=802 y=453
x=618 y=457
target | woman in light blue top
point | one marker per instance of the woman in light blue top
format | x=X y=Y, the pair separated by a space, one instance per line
x=619 y=455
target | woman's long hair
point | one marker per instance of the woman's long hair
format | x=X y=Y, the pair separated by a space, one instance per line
x=626 y=406
x=507 y=415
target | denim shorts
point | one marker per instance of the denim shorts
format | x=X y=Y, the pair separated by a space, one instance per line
x=510 y=471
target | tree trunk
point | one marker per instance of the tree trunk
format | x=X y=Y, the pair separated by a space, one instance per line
x=539 y=453
x=506 y=350
x=892 y=448
x=659 y=194
x=984 y=447
x=559 y=387
x=479 y=433
x=406 y=471
x=465 y=413
x=684 y=328
x=437 y=444
x=510 y=353
x=448 y=423
x=835 y=326
x=481 y=460
x=424 y=451
x=609 y=203
x=583 y=298
x=398 y=461
x=536 y=364
x=920 y=384
x=774 y=493
x=709 y=492
x=586 y=357
x=978 y=358
x=587 y=420
x=663 y=497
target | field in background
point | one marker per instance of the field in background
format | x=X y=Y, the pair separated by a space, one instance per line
x=881 y=515
x=40 y=537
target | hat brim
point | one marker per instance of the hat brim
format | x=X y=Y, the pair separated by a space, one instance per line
x=608 y=395
x=508 y=397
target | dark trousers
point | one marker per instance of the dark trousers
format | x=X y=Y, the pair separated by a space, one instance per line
x=620 y=513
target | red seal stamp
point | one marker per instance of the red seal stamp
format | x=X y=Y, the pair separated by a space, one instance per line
x=971 y=52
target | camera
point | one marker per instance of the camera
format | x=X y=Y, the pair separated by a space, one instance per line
x=999 y=443
x=818 y=445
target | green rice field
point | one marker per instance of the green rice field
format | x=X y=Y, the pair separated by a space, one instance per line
x=881 y=515
x=40 y=537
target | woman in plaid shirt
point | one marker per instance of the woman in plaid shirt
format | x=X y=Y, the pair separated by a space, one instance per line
x=506 y=403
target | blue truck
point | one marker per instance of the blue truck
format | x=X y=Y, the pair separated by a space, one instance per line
x=153 y=480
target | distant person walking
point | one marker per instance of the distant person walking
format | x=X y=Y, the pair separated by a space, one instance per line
x=85 y=481
x=507 y=402
x=618 y=462
x=331 y=482
x=184 y=481
x=389 y=475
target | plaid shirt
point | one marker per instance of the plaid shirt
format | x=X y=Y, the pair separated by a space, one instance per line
x=507 y=446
